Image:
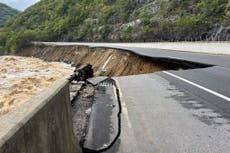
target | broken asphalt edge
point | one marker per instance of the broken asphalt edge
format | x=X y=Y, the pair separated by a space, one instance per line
x=87 y=150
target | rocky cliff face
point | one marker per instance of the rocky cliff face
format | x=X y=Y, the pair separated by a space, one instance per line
x=219 y=33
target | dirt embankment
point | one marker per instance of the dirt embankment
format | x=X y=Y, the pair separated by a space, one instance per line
x=107 y=62
x=21 y=77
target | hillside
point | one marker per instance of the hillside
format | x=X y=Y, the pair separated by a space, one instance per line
x=119 y=20
x=6 y=12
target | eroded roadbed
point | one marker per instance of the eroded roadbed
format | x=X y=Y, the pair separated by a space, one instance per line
x=96 y=116
x=81 y=109
x=153 y=119
x=103 y=125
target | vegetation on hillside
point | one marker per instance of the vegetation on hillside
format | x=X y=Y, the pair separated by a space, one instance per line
x=116 y=20
x=6 y=12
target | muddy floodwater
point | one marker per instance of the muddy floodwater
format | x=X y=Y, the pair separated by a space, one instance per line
x=23 y=77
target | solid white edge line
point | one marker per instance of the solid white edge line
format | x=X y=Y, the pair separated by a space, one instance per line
x=123 y=104
x=199 y=86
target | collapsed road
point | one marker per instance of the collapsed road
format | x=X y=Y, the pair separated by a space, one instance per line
x=182 y=107
x=105 y=100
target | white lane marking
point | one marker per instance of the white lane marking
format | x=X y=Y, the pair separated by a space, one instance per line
x=123 y=105
x=199 y=86
x=126 y=114
x=106 y=62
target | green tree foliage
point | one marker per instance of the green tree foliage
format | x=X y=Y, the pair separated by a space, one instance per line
x=212 y=8
x=113 y=20
x=227 y=9
x=127 y=33
x=6 y=13
x=194 y=24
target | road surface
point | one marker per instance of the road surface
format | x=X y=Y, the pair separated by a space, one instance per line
x=184 y=111
x=159 y=116
x=198 y=47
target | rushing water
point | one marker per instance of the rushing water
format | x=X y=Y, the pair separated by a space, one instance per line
x=23 y=77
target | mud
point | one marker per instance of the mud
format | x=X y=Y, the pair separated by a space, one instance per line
x=106 y=62
x=81 y=112
x=23 y=77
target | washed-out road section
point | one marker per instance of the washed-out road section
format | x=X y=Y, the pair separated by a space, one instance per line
x=174 y=111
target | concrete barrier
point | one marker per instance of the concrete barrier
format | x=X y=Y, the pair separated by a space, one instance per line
x=41 y=125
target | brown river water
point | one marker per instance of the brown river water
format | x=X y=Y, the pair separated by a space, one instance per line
x=23 y=77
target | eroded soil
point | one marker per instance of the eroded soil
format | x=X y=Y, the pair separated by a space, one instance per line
x=105 y=61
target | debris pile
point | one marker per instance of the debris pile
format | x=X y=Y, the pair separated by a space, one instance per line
x=82 y=110
x=82 y=73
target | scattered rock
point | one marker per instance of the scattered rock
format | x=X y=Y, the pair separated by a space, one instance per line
x=88 y=111
x=81 y=111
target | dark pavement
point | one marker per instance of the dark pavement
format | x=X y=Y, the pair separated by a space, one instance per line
x=161 y=113
x=184 y=111
x=103 y=125
x=216 y=79
x=210 y=59
x=160 y=117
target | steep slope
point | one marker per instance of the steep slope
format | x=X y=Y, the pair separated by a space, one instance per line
x=6 y=12
x=119 y=20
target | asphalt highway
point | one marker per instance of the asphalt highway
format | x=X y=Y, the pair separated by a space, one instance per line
x=204 y=94
x=211 y=85
x=184 y=111
x=222 y=60
x=164 y=115
x=210 y=59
